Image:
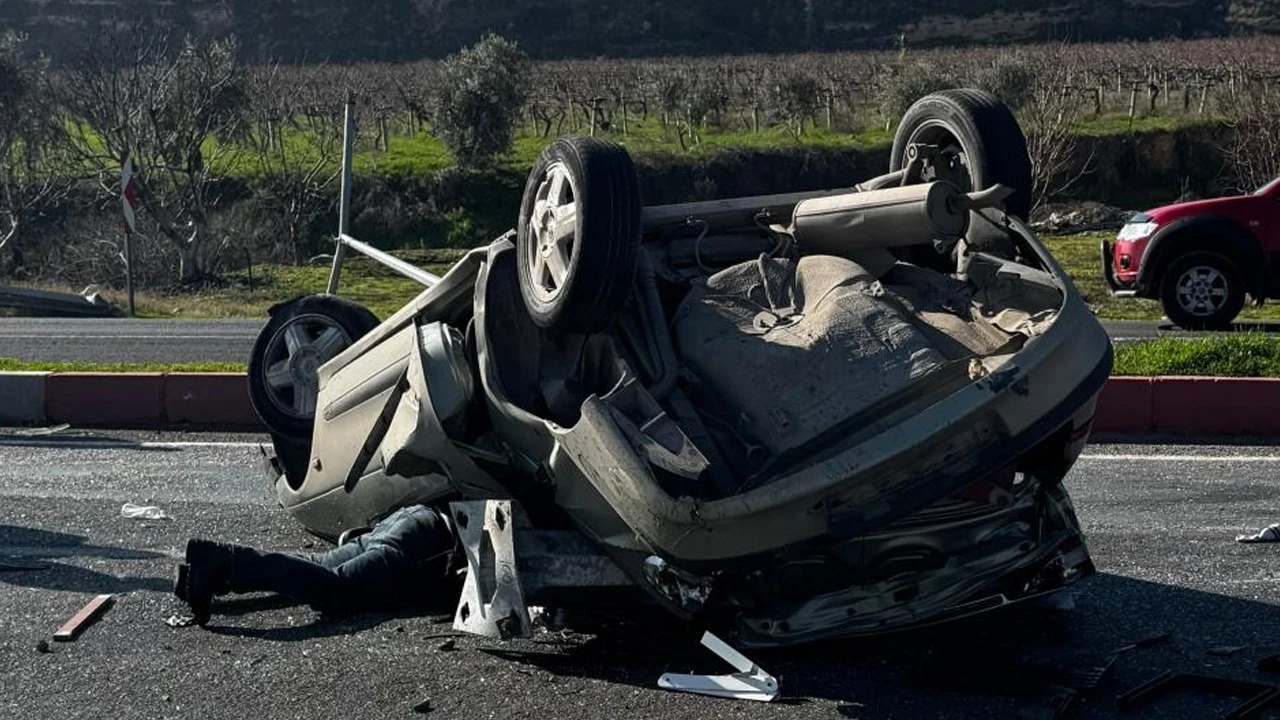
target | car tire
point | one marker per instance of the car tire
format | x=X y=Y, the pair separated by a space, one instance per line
x=578 y=237
x=301 y=335
x=979 y=131
x=1202 y=291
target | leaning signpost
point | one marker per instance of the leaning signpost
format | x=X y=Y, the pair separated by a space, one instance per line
x=128 y=209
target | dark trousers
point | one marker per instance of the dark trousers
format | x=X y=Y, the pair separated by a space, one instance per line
x=403 y=560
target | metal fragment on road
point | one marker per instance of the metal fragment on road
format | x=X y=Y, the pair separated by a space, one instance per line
x=78 y=622
x=749 y=683
x=492 y=603
x=180 y=621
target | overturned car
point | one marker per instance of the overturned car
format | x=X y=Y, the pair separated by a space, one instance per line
x=791 y=417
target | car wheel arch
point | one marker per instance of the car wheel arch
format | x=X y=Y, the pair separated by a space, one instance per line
x=1210 y=233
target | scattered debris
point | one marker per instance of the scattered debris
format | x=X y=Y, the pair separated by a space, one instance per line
x=143 y=512
x=180 y=621
x=1259 y=695
x=1069 y=218
x=1227 y=650
x=43 y=646
x=749 y=683
x=80 y=620
x=448 y=645
x=1269 y=534
x=1146 y=642
x=423 y=707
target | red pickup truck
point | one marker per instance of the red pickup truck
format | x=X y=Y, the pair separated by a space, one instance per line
x=1201 y=258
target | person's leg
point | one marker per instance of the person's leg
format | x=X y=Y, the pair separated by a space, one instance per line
x=216 y=569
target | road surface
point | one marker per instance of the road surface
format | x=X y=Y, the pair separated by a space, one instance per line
x=1160 y=520
x=185 y=341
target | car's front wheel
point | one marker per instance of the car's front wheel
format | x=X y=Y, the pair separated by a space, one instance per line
x=1202 y=291
x=302 y=335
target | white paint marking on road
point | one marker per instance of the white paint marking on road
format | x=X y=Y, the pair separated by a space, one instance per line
x=78 y=444
x=237 y=336
x=1185 y=458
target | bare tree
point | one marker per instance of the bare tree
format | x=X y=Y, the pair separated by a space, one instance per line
x=30 y=180
x=1049 y=118
x=174 y=111
x=295 y=163
x=1253 y=150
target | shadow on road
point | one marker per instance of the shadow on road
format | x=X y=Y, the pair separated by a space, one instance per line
x=322 y=626
x=30 y=557
x=1009 y=664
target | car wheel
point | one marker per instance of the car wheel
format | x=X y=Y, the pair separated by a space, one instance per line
x=978 y=141
x=301 y=335
x=578 y=237
x=1202 y=291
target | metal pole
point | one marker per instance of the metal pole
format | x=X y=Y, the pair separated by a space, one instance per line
x=128 y=270
x=344 y=201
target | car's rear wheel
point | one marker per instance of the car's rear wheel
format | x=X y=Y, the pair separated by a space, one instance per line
x=302 y=335
x=578 y=238
x=1202 y=291
x=978 y=144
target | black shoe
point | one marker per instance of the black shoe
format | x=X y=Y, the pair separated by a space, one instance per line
x=208 y=574
x=180 y=583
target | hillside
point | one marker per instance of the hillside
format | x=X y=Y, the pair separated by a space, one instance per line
x=312 y=30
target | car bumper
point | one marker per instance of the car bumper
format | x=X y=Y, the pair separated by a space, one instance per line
x=1117 y=287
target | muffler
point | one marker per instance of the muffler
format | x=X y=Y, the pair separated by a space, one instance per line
x=889 y=218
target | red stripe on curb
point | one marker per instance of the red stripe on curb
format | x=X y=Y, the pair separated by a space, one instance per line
x=208 y=399
x=1216 y=406
x=1125 y=406
x=1195 y=406
x=104 y=399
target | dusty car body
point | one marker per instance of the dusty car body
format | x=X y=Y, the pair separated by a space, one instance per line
x=788 y=432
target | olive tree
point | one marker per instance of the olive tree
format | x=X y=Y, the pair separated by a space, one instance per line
x=174 y=111
x=478 y=98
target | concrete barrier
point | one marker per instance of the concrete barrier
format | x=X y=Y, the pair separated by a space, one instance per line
x=1190 y=406
x=22 y=398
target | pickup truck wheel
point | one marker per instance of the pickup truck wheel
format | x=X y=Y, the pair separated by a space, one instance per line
x=301 y=335
x=578 y=238
x=1202 y=291
x=978 y=141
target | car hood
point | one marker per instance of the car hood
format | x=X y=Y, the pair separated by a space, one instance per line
x=1176 y=211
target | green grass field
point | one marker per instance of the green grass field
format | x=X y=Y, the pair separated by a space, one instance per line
x=422 y=153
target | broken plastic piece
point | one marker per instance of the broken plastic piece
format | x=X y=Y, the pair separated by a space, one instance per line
x=1268 y=534
x=80 y=620
x=749 y=683
x=143 y=512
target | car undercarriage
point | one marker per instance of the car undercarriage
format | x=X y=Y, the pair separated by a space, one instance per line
x=786 y=418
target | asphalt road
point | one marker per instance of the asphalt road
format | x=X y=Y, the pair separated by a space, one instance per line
x=1160 y=520
x=184 y=341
